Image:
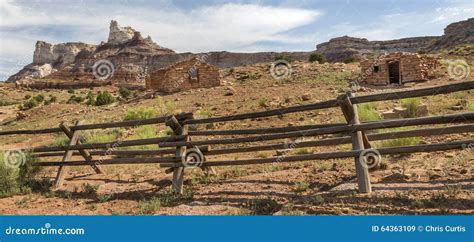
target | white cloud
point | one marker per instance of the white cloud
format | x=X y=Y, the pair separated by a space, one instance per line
x=408 y=24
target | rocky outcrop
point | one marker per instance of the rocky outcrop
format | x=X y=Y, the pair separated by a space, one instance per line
x=458 y=33
x=119 y=35
x=341 y=48
x=58 y=55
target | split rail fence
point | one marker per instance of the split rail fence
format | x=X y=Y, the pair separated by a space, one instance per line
x=186 y=148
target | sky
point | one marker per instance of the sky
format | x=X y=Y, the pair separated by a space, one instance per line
x=215 y=25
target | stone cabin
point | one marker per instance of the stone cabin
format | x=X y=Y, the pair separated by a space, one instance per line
x=398 y=68
x=184 y=75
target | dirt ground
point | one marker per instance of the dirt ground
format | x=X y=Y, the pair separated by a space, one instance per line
x=424 y=183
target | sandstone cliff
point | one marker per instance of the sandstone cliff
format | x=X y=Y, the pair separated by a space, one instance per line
x=341 y=48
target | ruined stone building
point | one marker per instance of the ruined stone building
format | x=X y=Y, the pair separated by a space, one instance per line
x=184 y=75
x=398 y=68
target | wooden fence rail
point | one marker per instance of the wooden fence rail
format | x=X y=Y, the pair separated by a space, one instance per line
x=173 y=152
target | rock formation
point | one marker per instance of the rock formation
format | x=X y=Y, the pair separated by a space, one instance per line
x=119 y=35
x=133 y=56
x=341 y=48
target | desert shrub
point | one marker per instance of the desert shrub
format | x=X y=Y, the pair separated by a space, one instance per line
x=350 y=59
x=165 y=199
x=31 y=103
x=315 y=56
x=124 y=92
x=143 y=132
x=283 y=57
x=101 y=136
x=17 y=180
x=70 y=91
x=165 y=107
x=263 y=154
x=411 y=104
x=104 y=197
x=140 y=113
x=89 y=188
x=39 y=98
x=263 y=206
x=303 y=151
x=367 y=112
x=73 y=99
x=400 y=141
x=301 y=186
x=104 y=98
x=262 y=102
x=90 y=99
x=149 y=206
x=52 y=99
x=4 y=102
x=204 y=113
x=470 y=106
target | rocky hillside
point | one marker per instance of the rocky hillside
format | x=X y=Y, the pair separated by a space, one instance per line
x=341 y=48
x=131 y=56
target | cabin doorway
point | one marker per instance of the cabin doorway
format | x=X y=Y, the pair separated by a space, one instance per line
x=394 y=72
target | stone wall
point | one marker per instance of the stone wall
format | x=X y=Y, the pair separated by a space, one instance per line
x=413 y=67
x=178 y=77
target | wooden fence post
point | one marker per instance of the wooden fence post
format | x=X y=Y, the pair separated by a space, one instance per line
x=178 y=172
x=350 y=113
x=73 y=138
x=84 y=153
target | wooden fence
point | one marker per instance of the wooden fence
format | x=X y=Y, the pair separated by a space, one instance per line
x=187 y=149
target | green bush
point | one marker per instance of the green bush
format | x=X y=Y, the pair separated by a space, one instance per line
x=315 y=56
x=90 y=97
x=400 y=141
x=144 y=132
x=75 y=99
x=17 y=180
x=350 y=59
x=4 y=102
x=165 y=107
x=124 y=92
x=139 y=113
x=263 y=206
x=104 y=98
x=367 y=112
x=411 y=104
x=39 y=98
x=31 y=103
x=283 y=57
